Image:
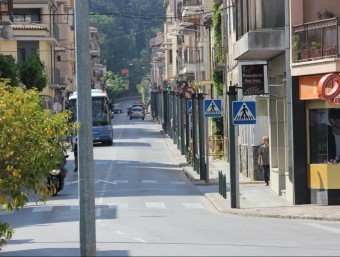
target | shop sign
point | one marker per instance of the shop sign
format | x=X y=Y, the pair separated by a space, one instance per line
x=252 y=78
x=329 y=88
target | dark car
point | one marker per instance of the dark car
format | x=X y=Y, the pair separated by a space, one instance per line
x=117 y=108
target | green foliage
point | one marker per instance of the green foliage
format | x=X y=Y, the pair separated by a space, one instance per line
x=114 y=85
x=32 y=143
x=9 y=69
x=218 y=82
x=6 y=233
x=32 y=73
x=217 y=18
x=143 y=90
x=217 y=126
x=125 y=32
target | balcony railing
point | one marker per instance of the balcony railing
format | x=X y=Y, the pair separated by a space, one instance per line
x=191 y=2
x=316 y=40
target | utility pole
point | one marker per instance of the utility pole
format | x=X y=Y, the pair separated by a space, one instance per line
x=234 y=183
x=87 y=216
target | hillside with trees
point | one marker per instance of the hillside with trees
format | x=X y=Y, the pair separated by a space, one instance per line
x=125 y=28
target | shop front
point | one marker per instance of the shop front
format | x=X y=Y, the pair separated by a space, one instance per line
x=322 y=96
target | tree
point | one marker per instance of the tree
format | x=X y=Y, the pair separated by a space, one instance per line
x=32 y=73
x=32 y=143
x=113 y=85
x=143 y=89
x=9 y=69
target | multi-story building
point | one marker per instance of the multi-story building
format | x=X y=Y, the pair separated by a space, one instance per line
x=315 y=68
x=46 y=28
x=35 y=26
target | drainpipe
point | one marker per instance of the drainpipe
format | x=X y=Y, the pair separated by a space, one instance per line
x=289 y=101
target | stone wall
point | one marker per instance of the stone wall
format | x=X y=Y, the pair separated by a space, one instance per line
x=248 y=162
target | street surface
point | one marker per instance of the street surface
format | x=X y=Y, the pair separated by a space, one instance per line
x=146 y=206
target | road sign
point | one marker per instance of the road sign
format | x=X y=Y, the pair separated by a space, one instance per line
x=244 y=112
x=212 y=108
x=189 y=107
x=188 y=92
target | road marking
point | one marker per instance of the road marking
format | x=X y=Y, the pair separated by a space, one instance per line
x=149 y=181
x=140 y=240
x=116 y=205
x=155 y=205
x=120 y=232
x=100 y=201
x=100 y=162
x=330 y=229
x=178 y=182
x=42 y=208
x=120 y=181
x=123 y=162
x=193 y=205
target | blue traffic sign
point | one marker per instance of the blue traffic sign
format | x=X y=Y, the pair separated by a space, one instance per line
x=244 y=112
x=213 y=108
x=189 y=107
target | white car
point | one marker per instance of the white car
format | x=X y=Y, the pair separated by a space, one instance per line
x=137 y=112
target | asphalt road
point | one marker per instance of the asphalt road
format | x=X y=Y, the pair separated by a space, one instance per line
x=146 y=206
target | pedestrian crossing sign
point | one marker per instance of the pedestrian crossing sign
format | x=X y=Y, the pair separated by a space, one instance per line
x=189 y=107
x=213 y=108
x=244 y=112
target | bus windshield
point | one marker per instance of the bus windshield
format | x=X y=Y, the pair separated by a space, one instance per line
x=101 y=115
x=100 y=111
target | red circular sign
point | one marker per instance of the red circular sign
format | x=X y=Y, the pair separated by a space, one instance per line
x=188 y=92
x=329 y=86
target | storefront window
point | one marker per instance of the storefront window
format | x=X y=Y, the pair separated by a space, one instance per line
x=324 y=127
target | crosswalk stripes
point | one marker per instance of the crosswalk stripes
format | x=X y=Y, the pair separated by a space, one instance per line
x=111 y=205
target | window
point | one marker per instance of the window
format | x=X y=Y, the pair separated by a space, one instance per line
x=27 y=49
x=27 y=15
x=324 y=128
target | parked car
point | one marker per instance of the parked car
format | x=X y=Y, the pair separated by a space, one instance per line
x=137 y=112
x=117 y=108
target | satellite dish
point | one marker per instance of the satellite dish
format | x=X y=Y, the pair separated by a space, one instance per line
x=7 y=32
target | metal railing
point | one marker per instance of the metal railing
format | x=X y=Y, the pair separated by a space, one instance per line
x=316 y=40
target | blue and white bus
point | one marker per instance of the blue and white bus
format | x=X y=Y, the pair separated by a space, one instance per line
x=101 y=115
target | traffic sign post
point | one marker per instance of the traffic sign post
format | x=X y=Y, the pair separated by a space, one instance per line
x=244 y=112
x=213 y=108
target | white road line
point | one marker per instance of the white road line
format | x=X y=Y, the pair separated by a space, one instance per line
x=178 y=182
x=155 y=205
x=120 y=181
x=149 y=181
x=193 y=205
x=140 y=240
x=100 y=201
x=319 y=226
x=116 y=205
x=42 y=208
x=123 y=162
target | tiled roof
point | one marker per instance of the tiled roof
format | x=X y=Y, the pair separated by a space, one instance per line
x=29 y=26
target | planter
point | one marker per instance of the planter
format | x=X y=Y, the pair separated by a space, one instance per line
x=324 y=184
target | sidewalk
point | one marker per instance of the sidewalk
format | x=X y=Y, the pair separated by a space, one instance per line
x=255 y=198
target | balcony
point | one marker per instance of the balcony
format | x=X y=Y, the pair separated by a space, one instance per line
x=191 y=2
x=316 y=40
